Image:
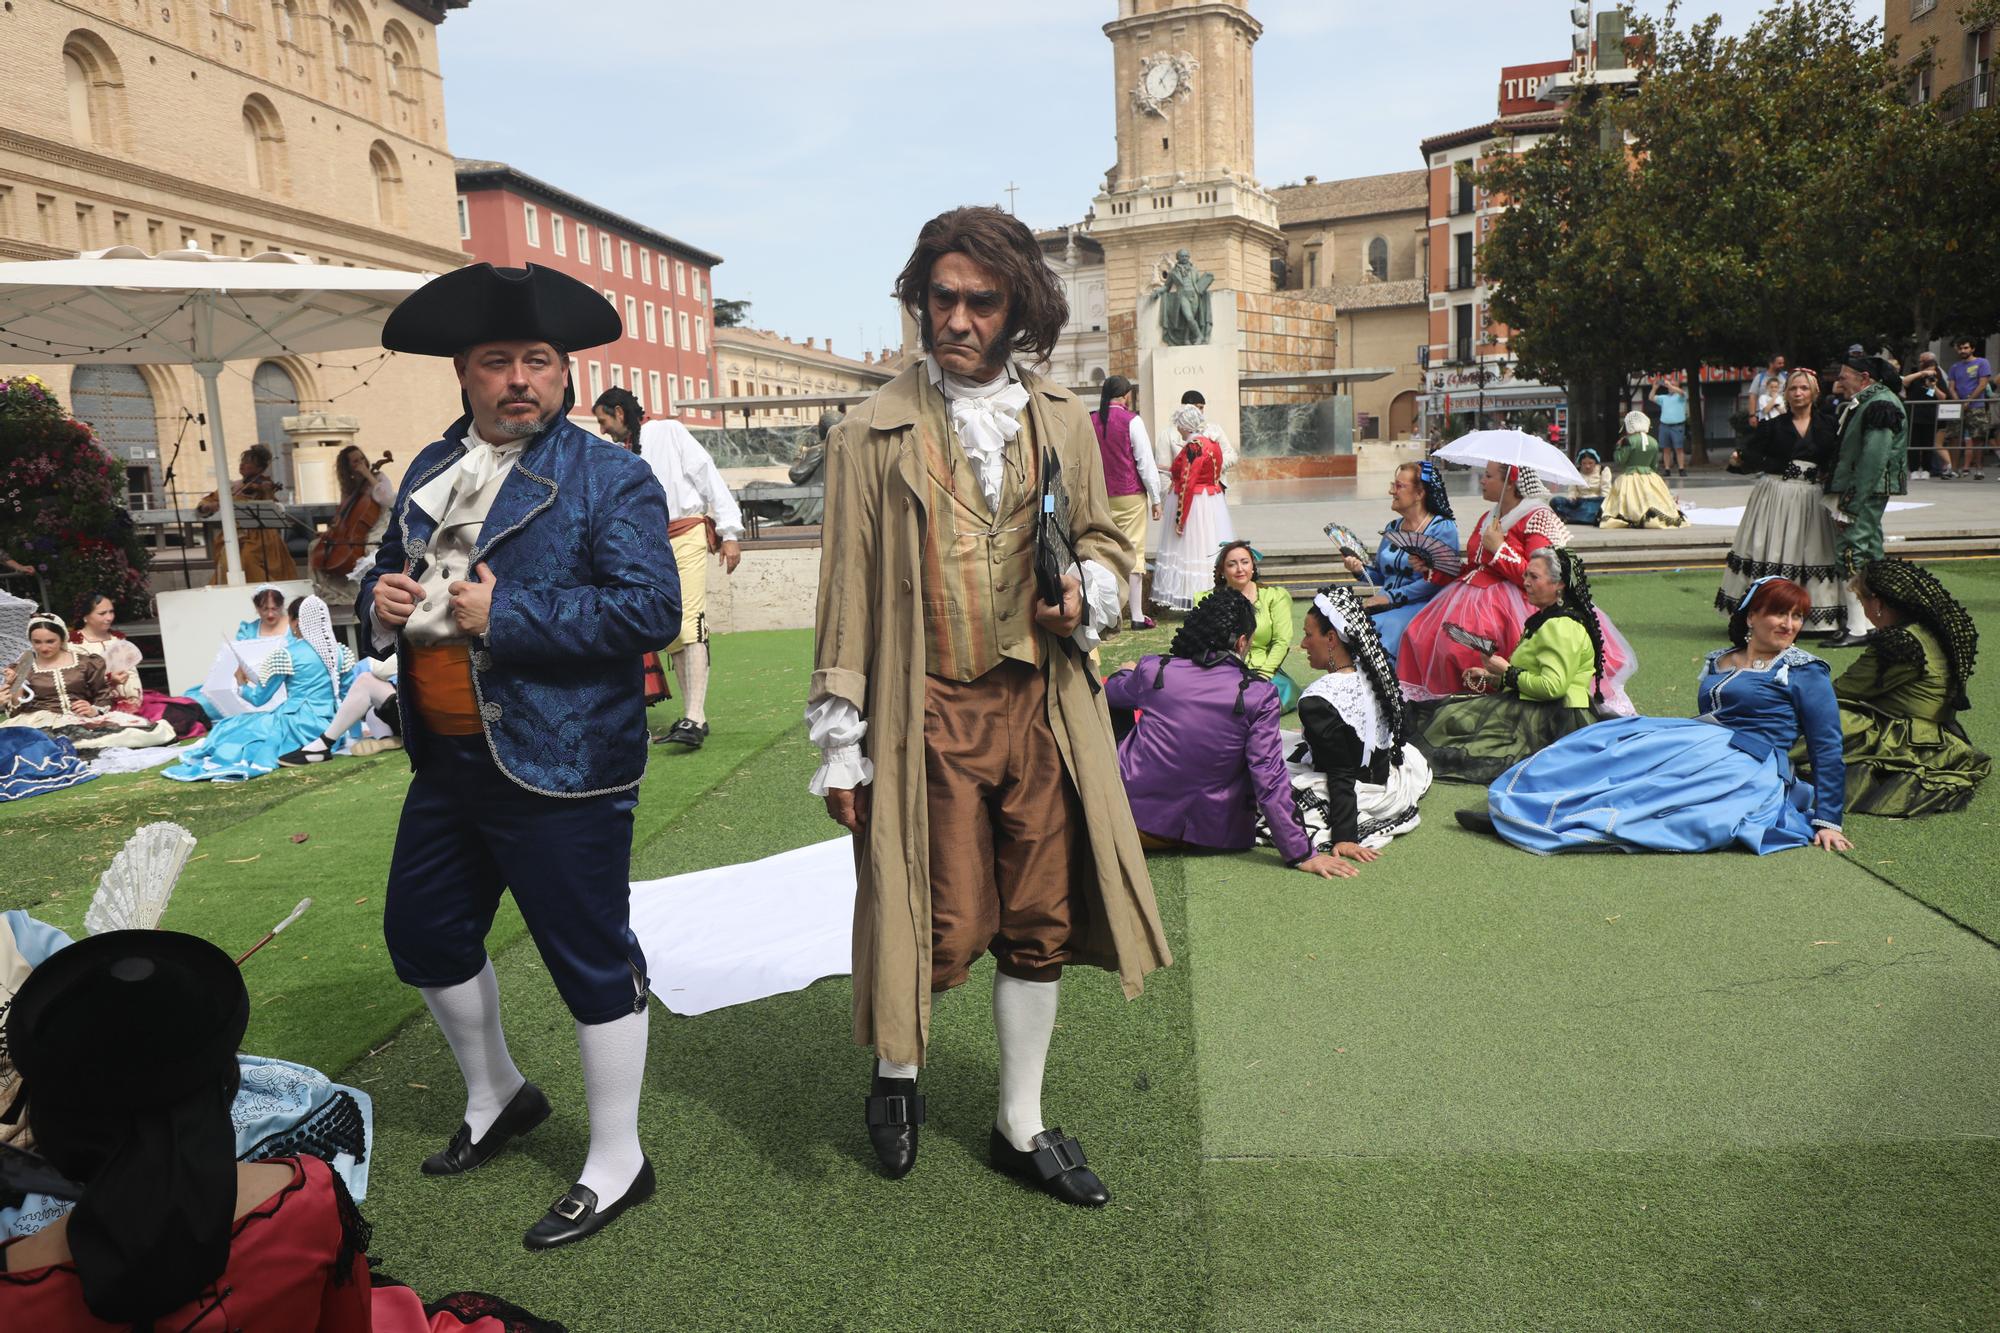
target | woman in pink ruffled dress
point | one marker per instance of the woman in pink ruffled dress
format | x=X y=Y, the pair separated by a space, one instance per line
x=1485 y=602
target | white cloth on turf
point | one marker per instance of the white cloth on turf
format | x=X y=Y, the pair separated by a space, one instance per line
x=739 y=933
x=123 y=759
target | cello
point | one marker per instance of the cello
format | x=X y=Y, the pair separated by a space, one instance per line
x=340 y=547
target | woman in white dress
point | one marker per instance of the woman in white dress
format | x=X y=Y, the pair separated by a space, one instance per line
x=1185 y=565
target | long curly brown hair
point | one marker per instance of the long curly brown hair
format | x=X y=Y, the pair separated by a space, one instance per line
x=1002 y=244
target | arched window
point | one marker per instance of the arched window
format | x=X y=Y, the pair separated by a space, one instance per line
x=1378 y=258
x=264 y=145
x=76 y=80
x=388 y=184
x=404 y=75
x=276 y=395
x=95 y=88
x=118 y=404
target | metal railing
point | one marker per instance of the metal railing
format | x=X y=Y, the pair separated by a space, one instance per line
x=1966 y=96
x=1458 y=277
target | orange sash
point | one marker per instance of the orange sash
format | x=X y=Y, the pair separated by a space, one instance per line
x=438 y=680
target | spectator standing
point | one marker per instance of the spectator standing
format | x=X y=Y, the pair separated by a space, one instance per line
x=1923 y=389
x=1673 y=428
x=1767 y=392
x=1971 y=379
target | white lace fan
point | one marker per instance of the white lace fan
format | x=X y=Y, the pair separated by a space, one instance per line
x=134 y=891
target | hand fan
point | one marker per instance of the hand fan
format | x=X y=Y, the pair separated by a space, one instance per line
x=1458 y=633
x=1348 y=540
x=1440 y=555
x=276 y=930
x=133 y=893
x=122 y=655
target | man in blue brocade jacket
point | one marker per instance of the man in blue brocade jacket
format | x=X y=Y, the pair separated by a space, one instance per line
x=525 y=571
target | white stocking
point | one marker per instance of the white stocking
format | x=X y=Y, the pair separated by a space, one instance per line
x=691 y=670
x=1024 y=1017
x=614 y=1068
x=890 y=1069
x=469 y=1016
x=1857 y=619
x=1135 y=583
x=368 y=692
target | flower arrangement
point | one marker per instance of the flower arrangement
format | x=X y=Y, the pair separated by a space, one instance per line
x=60 y=504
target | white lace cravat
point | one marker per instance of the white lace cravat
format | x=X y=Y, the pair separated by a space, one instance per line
x=985 y=417
x=481 y=463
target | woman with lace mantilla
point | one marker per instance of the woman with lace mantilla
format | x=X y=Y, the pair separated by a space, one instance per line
x=1354 y=781
x=1546 y=691
x=1906 y=753
x=1401 y=578
x=1670 y=784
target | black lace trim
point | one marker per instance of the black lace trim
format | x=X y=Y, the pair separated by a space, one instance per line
x=336 y=1127
x=1800 y=472
x=1757 y=569
x=1897 y=645
x=355 y=1232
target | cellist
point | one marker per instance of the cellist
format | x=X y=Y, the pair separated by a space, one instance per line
x=348 y=543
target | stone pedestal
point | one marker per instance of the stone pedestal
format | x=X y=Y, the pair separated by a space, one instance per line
x=316 y=439
x=1165 y=373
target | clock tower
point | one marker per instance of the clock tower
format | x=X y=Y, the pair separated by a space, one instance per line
x=1186 y=150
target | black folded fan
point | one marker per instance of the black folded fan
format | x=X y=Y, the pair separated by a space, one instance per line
x=1055 y=552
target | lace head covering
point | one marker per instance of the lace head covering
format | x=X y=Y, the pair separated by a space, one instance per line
x=1355 y=629
x=49 y=620
x=1189 y=421
x=1436 y=499
x=316 y=628
x=1915 y=592
x=1637 y=423
x=1529 y=485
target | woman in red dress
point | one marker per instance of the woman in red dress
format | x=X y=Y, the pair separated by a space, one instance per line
x=1185 y=565
x=1486 y=599
x=125 y=1046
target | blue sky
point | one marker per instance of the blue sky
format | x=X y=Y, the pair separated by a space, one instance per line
x=805 y=142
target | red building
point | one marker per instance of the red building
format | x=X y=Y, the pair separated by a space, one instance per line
x=661 y=286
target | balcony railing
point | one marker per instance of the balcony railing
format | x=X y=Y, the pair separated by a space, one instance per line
x=1458 y=277
x=1966 y=96
x=1461 y=352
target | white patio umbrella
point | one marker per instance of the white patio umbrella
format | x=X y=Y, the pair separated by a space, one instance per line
x=1515 y=448
x=189 y=307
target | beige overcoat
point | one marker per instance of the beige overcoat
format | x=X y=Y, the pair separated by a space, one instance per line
x=869 y=650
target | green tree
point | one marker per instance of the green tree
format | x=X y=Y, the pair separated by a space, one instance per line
x=1562 y=264
x=731 y=314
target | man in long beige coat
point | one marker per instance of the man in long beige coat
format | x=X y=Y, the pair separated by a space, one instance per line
x=965 y=744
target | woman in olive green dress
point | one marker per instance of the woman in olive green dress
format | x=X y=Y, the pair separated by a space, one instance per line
x=1906 y=753
x=1236 y=569
x=1639 y=497
x=1547 y=691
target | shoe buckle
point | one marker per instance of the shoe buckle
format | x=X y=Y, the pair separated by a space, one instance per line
x=892 y=1109
x=1066 y=1154
x=569 y=1208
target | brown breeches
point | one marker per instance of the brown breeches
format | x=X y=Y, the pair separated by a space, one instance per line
x=1008 y=850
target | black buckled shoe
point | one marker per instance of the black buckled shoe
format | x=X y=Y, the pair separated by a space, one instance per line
x=1479 y=821
x=1054 y=1165
x=576 y=1214
x=526 y=1109
x=895 y=1109
x=1849 y=639
x=684 y=732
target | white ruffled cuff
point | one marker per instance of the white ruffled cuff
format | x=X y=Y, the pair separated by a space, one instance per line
x=835 y=726
x=1100 y=601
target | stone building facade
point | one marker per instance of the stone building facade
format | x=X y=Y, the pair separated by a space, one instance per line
x=1359 y=246
x=309 y=126
x=659 y=285
x=756 y=363
x=1962 y=75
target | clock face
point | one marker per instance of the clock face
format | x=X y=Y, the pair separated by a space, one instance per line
x=1162 y=81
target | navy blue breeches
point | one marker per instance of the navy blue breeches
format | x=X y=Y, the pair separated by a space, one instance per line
x=469 y=833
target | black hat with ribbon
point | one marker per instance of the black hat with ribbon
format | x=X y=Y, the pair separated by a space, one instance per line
x=483 y=304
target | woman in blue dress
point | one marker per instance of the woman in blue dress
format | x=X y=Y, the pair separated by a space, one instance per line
x=270 y=622
x=1403 y=584
x=1668 y=784
x=313 y=669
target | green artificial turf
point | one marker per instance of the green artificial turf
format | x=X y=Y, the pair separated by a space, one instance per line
x=770 y=1212
x=1470 y=1089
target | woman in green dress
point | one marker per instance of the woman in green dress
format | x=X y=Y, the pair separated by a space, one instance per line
x=1639 y=498
x=1545 y=692
x=1906 y=753
x=1236 y=570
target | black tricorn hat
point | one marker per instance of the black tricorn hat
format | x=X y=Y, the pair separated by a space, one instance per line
x=482 y=304
x=129 y=1017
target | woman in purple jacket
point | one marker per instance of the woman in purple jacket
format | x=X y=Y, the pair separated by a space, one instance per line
x=1204 y=758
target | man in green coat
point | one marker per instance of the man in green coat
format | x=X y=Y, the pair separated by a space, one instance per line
x=1874 y=464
